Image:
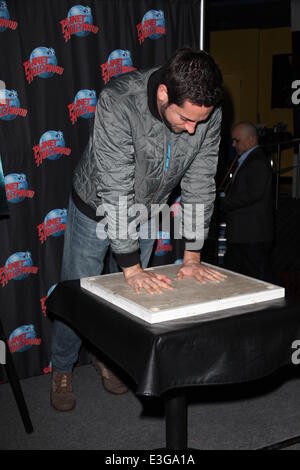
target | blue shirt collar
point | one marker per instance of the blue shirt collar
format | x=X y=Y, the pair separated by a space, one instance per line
x=244 y=155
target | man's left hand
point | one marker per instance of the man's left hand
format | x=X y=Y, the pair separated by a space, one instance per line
x=199 y=272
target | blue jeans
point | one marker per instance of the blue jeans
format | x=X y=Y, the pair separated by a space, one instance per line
x=83 y=256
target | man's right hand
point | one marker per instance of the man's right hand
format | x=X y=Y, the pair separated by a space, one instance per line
x=139 y=279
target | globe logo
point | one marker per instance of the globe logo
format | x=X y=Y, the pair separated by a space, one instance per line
x=4 y=13
x=176 y=207
x=51 y=289
x=9 y=98
x=46 y=52
x=60 y=214
x=163 y=236
x=86 y=12
x=28 y=331
x=91 y=96
x=158 y=16
x=124 y=58
x=22 y=259
x=59 y=142
x=163 y=243
x=14 y=182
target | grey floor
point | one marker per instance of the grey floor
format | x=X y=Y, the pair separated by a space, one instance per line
x=240 y=417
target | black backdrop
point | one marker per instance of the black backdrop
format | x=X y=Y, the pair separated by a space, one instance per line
x=54 y=60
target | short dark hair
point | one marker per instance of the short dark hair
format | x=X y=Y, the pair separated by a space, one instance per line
x=192 y=74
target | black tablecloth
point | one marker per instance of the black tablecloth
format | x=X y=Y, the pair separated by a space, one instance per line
x=229 y=346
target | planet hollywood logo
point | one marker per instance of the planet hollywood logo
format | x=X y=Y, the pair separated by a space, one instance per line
x=43 y=300
x=153 y=26
x=54 y=224
x=118 y=62
x=17 y=267
x=23 y=338
x=48 y=368
x=176 y=208
x=79 y=22
x=84 y=105
x=51 y=146
x=5 y=21
x=10 y=105
x=16 y=187
x=163 y=243
x=42 y=63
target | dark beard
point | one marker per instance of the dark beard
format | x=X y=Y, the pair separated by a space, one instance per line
x=164 y=118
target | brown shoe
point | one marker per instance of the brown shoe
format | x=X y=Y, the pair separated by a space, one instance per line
x=110 y=381
x=62 y=396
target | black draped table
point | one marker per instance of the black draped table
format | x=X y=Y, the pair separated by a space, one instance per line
x=229 y=346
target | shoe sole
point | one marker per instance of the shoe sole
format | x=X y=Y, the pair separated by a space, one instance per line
x=65 y=409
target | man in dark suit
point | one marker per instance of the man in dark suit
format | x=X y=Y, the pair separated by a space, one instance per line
x=249 y=207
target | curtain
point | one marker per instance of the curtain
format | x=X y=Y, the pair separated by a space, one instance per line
x=55 y=58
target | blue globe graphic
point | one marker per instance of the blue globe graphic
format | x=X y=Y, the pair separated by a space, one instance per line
x=14 y=101
x=4 y=13
x=88 y=18
x=164 y=238
x=91 y=94
x=60 y=142
x=157 y=15
x=22 y=184
x=51 y=289
x=29 y=332
x=55 y=213
x=125 y=57
x=17 y=257
x=44 y=52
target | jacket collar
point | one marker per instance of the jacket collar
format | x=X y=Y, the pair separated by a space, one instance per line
x=153 y=82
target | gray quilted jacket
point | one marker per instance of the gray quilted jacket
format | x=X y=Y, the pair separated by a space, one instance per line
x=127 y=150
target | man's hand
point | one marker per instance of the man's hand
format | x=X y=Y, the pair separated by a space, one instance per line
x=139 y=279
x=193 y=268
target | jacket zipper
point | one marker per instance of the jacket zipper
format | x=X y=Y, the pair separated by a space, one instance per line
x=168 y=157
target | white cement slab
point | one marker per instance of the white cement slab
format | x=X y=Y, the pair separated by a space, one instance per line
x=188 y=298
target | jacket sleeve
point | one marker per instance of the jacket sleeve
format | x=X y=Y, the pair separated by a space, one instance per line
x=249 y=185
x=115 y=160
x=198 y=185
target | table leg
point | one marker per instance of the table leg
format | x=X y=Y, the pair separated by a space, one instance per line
x=176 y=420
